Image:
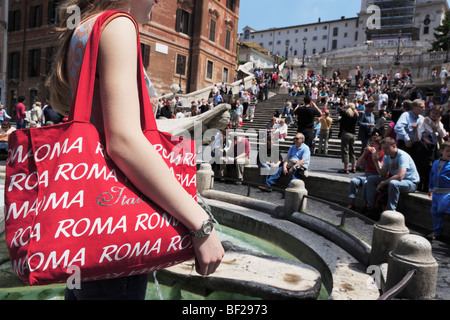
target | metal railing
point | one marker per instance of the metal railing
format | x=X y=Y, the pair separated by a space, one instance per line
x=345 y=211
x=394 y=291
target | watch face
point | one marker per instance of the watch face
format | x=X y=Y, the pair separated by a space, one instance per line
x=208 y=226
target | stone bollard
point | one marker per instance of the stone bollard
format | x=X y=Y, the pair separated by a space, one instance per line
x=295 y=197
x=205 y=178
x=413 y=252
x=386 y=234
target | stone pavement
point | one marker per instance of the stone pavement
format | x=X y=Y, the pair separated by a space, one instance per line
x=357 y=227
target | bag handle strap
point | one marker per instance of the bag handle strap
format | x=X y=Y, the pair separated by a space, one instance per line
x=82 y=103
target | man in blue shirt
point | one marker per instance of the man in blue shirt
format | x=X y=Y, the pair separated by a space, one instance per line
x=218 y=98
x=406 y=125
x=295 y=164
x=366 y=123
x=403 y=176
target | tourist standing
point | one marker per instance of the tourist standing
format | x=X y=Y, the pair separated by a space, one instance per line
x=366 y=123
x=245 y=101
x=287 y=111
x=443 y=75
x=444 y=94
x=430 y=136
x=251 y=108
x=433 y=75
x=238 y=114
x=324 y=133
x=20 y=113
x=305 y=119
x=141 y=163
x=406 y=126
x=348 y=137
x=439 y=191
x=36 y=113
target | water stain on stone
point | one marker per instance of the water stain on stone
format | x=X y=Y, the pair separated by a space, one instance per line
x=347 y=287
x=232 y=262
x=292 y=278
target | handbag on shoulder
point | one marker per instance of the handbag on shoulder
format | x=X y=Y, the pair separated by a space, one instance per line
x=68 y=205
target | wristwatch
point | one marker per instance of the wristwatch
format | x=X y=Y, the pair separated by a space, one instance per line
x=204 y=231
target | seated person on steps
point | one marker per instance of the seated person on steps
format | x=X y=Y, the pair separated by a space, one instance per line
x=269 y=158
x=236 y=161
x=295 y=164
x=403 y=176
x=372 y=153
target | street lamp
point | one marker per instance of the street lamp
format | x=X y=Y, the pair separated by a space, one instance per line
x=397 y=58
x=288 y=42
x=304 y=52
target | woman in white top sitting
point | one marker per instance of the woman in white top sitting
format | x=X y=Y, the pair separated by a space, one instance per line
x=281 y=130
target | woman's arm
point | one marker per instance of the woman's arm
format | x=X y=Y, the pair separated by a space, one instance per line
x=131 y=151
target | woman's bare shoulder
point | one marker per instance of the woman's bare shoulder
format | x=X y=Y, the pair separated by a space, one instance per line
x=120 y=26
x=119 y=36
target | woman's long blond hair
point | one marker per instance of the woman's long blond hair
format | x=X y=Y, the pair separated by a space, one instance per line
x=57 y=82
x=351 y=109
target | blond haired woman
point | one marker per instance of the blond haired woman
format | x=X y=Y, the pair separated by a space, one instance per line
x=348 y=136
x=36 y=113
x=117 y=88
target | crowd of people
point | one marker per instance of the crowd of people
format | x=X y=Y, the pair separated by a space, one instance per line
x=403 y=131
x=24 y=117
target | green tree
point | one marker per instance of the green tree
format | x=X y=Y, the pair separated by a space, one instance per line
x=442 y=35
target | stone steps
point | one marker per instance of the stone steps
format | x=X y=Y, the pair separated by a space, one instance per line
x=265 y=110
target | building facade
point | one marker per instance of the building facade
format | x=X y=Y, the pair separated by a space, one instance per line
x=260 y=57
x=30 y=47
x=378 y=20
x=187 y=42
x=415 y=19
x=393 y=17
x=3 y=48
x=192 y=43
x=322 y=36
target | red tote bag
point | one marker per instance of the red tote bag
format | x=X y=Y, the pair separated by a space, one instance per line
x=68 y=205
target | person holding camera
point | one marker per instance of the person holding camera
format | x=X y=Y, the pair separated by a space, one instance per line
x=295 y=164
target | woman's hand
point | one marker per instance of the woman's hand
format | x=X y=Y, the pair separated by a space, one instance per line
x=208 y=253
